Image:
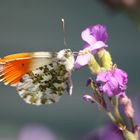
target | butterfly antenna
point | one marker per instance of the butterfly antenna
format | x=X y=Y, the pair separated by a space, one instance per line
x=64 y=33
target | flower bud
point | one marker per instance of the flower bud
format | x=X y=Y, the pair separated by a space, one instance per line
x=93 y=65
x=128 y=108
x=88 y=98
x=105 y=59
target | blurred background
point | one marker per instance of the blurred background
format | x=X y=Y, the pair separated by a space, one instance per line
x=35 y=25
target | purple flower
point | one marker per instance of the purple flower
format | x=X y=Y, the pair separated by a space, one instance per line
x=95 y=38
x=92 y=34
x=113 y=81
x=36 y=132
x=82 y=60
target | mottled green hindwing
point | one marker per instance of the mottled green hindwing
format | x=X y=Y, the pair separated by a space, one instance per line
x=45 y=84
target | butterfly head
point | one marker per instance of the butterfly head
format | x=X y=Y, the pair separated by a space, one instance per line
x=67 y=57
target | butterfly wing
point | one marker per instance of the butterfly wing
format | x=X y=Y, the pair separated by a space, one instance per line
x=13 y=67
x=44 y=85
x=41 y=77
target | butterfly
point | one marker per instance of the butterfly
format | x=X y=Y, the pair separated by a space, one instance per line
x=39 y=77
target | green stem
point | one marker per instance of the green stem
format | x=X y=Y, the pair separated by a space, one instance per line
x=132 y=124
x=129 y=135
x=134 y=130
x=126 y=134
x=111 y=117
x=116 y=111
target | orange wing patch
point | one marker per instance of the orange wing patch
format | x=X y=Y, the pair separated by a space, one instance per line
x=13 y=67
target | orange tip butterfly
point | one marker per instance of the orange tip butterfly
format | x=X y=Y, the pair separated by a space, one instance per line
x=39 y=77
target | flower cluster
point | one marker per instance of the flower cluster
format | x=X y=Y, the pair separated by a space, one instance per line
x=109 y=82
x=112 y=79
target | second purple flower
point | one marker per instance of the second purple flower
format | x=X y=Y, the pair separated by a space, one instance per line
x=113 y=82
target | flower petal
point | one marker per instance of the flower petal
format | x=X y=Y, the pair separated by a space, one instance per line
x=86 y=36
x=101 y=77
x=97 y=45
x=114 y=86
x=107 y=90
x=121 y=76
x=82 y=60
x=99 y=32
x=85 y=46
